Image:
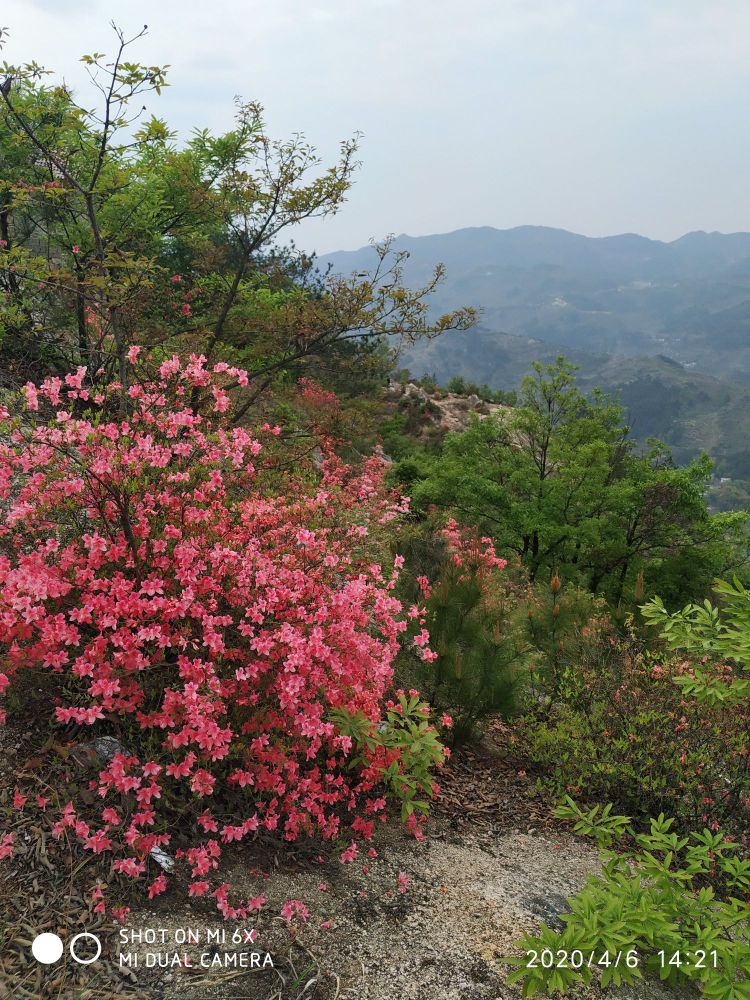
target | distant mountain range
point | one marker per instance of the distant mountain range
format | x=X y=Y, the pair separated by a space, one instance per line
x=666 y=324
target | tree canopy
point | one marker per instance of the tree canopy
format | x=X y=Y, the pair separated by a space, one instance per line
x=559 y=482
x=113 y=233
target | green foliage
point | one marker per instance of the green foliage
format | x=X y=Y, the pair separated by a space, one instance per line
x=623 y=727
x=705 y=629
x=656 y=732
x=473 y=631
x=671 y=906
x=564 y=626
x=408 y=731
x=113 y=234
x=461 y=387
x=558 y=481
x=411 y=430
x=598 y=823
x=474 y=619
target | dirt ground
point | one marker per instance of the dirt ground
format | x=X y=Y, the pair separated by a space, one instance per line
x=494 y=864
x=468 y=900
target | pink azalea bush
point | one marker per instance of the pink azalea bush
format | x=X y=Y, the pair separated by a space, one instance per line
x=467 y=549
x=221 y=618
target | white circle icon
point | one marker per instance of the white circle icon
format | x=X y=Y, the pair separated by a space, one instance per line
x=47 y=948
x=85 y=961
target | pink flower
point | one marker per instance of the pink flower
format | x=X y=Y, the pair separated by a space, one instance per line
x=6 y=846
x=98 y=842
x=350 y=853
x=446 y=720
x=157 y=886
x=295 y=908
x=202 y=783
x=133 y=353
x=129 y=866
x=75 y=248
x=403 y=882
x=183 y=768
x=207 y=822
x=32 y=399
x=422 y=638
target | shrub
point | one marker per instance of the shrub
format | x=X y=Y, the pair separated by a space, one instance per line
x=472 y=618
x=564 y=625
x=625 y=729
x=670 y=906
x=707 y=630
x=216 y=615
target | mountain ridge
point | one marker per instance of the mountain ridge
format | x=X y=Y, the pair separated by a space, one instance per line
x=666 y=324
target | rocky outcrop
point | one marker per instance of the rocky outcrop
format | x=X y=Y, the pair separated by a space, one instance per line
x=450 y=410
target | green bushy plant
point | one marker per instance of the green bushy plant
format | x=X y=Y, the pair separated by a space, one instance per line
x=471 y=629
x=473 y=615
x=670 y=906
x=706 y=629
x=563 y=625
x=408 y=744
x=627 y=727
x=459 y=385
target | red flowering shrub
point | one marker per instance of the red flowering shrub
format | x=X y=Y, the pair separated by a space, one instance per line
x=469 y=550
x=218 y=631
x=624 y=730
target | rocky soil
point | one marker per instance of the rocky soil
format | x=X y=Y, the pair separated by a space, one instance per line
x=494 y=864
x=452 y=410
x=468 y=900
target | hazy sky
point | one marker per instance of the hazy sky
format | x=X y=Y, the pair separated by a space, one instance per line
x=599 y=116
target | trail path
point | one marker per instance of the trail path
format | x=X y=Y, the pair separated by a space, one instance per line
x=494 y=864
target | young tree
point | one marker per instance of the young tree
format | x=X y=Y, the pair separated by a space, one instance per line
x=112 y=233
x=533 y=478
x=559 y=482
x=471 y=613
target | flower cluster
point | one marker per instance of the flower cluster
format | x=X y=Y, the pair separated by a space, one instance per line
x=191 y=601
x=466 y=548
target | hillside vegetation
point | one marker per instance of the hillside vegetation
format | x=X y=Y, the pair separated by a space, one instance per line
x=266 y=599
x=664 y=325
